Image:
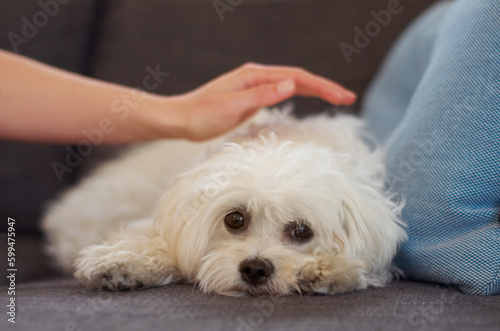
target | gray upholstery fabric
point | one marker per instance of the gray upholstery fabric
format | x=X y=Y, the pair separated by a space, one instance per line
x=26 y=177
x=64 y=305
x=62 y=40
x=189 y=40
x=27 y=181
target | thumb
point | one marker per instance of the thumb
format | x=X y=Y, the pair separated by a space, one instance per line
x=265 y=95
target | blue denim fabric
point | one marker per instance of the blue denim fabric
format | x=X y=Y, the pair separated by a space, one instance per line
x=435 y=106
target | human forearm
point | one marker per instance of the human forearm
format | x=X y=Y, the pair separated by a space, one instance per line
x=42 y=103
x=45 y=104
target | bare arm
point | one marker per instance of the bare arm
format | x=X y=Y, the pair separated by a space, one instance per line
x=42 y=103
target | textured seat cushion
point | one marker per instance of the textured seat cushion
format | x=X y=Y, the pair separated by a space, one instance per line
x=437 y=107
x=65 y=305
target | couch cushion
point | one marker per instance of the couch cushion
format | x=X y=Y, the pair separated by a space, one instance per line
x=57 y=33
x=189 y=39
x=65 y=305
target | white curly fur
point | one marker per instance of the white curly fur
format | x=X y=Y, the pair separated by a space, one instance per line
x=276 y=170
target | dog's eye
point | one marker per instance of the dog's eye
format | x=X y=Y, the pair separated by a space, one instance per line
x=234 y=220
x=301 y=232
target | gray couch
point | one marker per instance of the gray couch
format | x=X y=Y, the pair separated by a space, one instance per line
x=196 y=40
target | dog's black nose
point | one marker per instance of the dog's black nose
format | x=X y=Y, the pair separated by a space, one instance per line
x=256 y=271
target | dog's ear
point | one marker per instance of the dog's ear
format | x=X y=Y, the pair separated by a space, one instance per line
x=373 y=229
x=182 y=220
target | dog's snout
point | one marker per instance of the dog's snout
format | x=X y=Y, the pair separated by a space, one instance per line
x=256 y=271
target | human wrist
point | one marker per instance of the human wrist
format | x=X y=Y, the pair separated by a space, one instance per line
x=162 y=117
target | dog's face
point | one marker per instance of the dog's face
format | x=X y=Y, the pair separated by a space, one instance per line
x=270 y=218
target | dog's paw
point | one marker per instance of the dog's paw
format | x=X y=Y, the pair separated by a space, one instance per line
x=114 y=278
x=108 y=276
x=115 y=271
x=330 y=274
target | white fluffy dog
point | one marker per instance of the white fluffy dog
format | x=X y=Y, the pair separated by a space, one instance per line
x=279 y=206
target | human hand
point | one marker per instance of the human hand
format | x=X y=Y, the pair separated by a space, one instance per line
x=46 y=104
x=228 y=100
